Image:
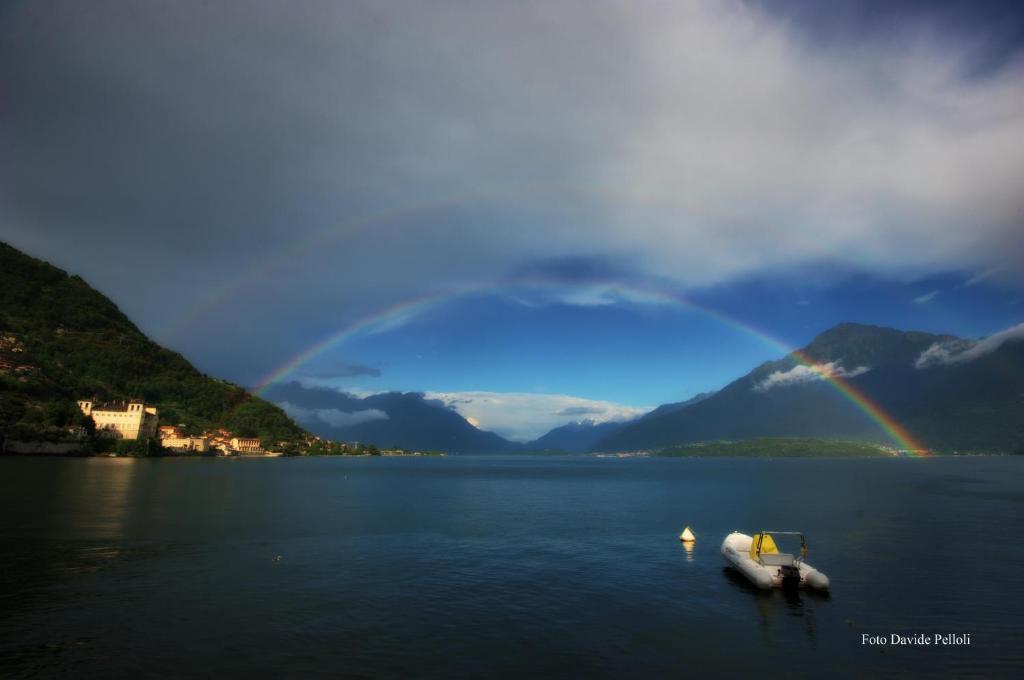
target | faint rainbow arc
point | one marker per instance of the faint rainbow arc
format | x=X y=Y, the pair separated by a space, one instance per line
x=888 y=424
x=216 y=296
x=352 y=329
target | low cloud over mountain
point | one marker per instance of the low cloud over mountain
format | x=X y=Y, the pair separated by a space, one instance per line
x=969 y=399
x=804 y=374
x=961 y=351
x=522 y=416
x=333 y=417
x=409 y=420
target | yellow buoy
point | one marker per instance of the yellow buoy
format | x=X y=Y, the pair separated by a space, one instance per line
x=687 y=536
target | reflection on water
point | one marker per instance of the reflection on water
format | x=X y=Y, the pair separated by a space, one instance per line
x=62 y=518
x=91 y=507
x=96 y=499
x=61 y=523
x=773 y=604
x=496 y=566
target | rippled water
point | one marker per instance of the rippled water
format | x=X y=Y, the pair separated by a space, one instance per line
x=501 y=566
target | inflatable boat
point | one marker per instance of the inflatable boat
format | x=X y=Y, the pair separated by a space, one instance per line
x=758 y=558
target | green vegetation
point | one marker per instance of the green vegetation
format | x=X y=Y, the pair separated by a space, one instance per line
x=136 y=448
x=778 y=447
x=61 y=340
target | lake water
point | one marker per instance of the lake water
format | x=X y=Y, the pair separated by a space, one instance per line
x=501 y=567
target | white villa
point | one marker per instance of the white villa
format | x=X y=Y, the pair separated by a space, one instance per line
x=246 y=445
x=122 y=419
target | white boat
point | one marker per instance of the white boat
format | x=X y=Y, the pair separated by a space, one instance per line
x=758 y=558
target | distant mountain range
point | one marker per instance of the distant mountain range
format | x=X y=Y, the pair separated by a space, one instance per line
x=576 y=437
x=587 y=435
x=411 y=421
x=60 y=340
x=391 y=419
x=948 y=395
x=951 y=394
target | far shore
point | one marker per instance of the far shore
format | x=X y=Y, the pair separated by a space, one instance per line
x=776 y=447
x=764 y=448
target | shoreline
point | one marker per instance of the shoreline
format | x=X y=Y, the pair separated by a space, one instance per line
x=591 y=456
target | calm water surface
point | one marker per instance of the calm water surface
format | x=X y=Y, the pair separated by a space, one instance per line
x=501 y=567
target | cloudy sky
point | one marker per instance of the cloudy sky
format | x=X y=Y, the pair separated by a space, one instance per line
x=584 y=200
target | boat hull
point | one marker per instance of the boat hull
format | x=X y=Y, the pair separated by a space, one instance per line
x=736 y=551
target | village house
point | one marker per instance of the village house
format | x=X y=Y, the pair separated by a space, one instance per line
x=134 y=420
x=220 y=443
x=195 y=444
x=173 y=438
x=246 y=445
x=122 y=419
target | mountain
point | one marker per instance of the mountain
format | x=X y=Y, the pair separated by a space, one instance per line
x=402 y=419
x=61 y=340
x=669 y=408
x=575 y=437
x=974 y=402
x=583 y=436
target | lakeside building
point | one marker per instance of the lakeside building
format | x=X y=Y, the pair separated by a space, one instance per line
x=195 y=444
x=246 y=445
x=173 y=438
x=131 y=419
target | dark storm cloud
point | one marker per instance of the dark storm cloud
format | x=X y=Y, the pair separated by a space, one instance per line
x=280 y=170
x=579 y=411
x=575 y=270
x=351 y=371
x=994 y=28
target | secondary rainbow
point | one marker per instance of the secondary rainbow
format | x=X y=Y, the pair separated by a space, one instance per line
x=408 y=309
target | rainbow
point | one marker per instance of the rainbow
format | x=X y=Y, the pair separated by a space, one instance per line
x=389 y=317
x=216 y=296
x=402 y=312
x=219 y=295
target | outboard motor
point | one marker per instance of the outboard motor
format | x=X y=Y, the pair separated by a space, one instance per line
x=790 y=577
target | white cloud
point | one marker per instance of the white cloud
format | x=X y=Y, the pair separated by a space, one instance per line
x=588 y=296
x=523 y=416
x=927 y=297
x=801 y=374
x=331 y=416
x=962 y=351
x=982 y=277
